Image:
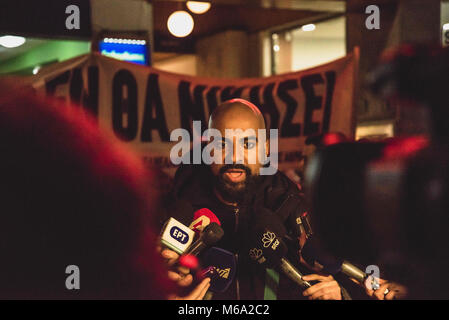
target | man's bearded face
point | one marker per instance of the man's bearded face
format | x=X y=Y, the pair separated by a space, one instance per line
x=235 y=180
x=241 y=151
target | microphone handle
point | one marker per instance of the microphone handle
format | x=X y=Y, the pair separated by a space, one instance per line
x=294 y=274
x=353 y=272
x=196 y=248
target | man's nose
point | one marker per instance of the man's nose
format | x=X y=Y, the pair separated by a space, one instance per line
x=236 y=158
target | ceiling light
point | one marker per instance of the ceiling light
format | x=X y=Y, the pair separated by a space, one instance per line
x=276 y=47
x=198 y=7
x=12 y=41
x=308 y=27
x=36 y=69
x=180 y=23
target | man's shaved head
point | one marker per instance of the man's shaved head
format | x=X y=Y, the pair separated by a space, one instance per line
x=239 y=109
x=233 y=180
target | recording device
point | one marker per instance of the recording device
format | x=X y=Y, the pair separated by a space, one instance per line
x=268 y=250
x=176 y=236
x=220 y=266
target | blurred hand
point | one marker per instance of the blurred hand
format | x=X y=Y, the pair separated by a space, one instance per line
x=395 y=290
x=182 y=277
x=326 y=289
x=196 y=294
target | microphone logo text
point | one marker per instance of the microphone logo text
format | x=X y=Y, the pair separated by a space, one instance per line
x=179 y=235
x=268 y=239
x=223 y=273
x=255 y=253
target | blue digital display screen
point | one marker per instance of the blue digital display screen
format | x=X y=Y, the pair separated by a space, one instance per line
x=130 y=50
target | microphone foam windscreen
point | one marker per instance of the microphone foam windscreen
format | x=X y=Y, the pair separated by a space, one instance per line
x=202 y=218
x=207 y=213
x=265 y=243
x=212 y=234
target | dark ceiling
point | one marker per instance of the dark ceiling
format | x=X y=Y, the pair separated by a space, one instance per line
x=248 y=15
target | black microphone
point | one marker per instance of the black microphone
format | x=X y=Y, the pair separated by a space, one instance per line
x=316 y=256
x=211 y=234
x=220 y=267
x=268 y=250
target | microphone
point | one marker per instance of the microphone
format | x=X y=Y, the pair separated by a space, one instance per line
x=176 y=236
x=268 y=250
x=315 y=256
x=220 y=267
x=211 y=234
x=202 y=218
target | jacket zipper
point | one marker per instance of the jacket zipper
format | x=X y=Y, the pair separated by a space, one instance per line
x=236 y=214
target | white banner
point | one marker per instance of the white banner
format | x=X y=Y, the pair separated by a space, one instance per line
x=142 y=105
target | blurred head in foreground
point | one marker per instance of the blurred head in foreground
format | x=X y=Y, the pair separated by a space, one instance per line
x=72 y=195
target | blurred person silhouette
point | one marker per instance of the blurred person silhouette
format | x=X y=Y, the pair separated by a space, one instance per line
x=395 y=192
x=71 y=194
x=414 y=77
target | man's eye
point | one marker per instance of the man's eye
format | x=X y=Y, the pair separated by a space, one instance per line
x=249 y=145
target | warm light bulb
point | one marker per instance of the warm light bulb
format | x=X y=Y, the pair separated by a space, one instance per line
x=198 y=7
x=308 y=27
x=180 y=23
x=12 y=41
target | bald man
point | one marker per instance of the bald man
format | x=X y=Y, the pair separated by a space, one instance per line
x=233 y=180
x=235 y=191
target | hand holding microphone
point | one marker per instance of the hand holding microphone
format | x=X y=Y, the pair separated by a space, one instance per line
x=317 y=257
x=175 y=239
x=178 y=240
x=387 y=291
x=268 y=250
